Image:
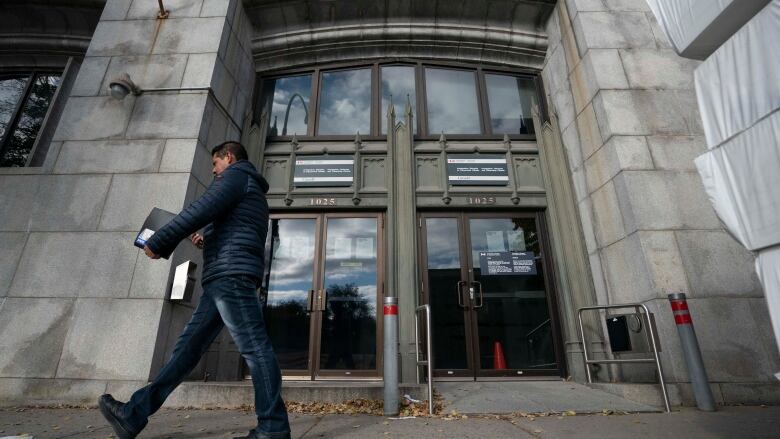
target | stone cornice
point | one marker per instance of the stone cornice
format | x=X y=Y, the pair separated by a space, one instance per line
x=456 y=42
x=43 y=43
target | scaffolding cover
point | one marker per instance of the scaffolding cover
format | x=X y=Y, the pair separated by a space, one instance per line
x=697 y=27
x=768 y=269
x=742 y=180
x=738 y=85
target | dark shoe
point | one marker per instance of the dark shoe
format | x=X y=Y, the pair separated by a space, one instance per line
x=257 y=435
x=112 y=411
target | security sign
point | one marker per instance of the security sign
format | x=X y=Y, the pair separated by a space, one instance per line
x=477 y=170
x=507 y=263
x=324 y=171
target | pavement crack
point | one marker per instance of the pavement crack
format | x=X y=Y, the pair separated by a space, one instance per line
x=520 y=427
x=319 y=419
x=79 y=433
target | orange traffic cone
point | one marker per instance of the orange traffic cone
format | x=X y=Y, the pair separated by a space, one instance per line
x=498 y=356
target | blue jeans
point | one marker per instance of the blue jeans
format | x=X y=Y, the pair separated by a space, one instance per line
x=230 y=301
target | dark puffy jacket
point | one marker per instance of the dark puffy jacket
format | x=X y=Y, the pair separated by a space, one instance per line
x=235 y=213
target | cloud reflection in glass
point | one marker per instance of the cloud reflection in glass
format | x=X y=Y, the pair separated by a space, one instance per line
x=345 y=103
x=451 y=97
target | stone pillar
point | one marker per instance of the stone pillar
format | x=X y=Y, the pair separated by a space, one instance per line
x=86 y=310
x=406 y=243
x=630 y=126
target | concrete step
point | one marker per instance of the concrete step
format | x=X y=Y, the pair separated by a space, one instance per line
x=648 y=394
x=532 y=397
x=240 y=393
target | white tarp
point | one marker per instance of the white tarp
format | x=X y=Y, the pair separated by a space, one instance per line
x=768 y=269
x=697 y=27
x=742 y=180
x=740 y=83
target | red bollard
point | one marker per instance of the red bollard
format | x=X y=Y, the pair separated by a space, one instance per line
x=692 y=353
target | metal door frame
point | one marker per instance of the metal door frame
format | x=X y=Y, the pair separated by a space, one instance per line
x=470 y=371
x=317 y=372
x=474 y=372
x=313 y=371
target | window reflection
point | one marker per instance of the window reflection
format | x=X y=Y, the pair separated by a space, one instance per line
x=11 y=89
x=510 y=99
x=349 y=320
x=451 y=97
x=343 y=101
x=24 y=130
x=398 y=82
x=443 y=266
x=290 y=252
x=288 y=99
x=345 y=106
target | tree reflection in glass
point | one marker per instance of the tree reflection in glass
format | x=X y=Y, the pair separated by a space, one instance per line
x=451 y=97
x=22 y=137
x=345 y=102
x=288 y=279
x=349 y=320
x=11 y=90
x=510 y=99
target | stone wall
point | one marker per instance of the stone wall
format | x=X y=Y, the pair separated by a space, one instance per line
x=82 y=311
x=630 y=127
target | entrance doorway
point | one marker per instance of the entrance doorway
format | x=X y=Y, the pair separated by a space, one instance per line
x=321 y=288
x=486 y=278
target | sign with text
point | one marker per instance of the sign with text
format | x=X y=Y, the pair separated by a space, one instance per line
x=324 y=171
x=477 y=170
x=507 y=263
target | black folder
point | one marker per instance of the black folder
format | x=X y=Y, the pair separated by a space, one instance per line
x=155 y=221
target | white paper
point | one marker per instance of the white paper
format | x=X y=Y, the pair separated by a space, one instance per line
x=495 y=241
x=364 y=248
x=342 y=248
x=301 y=247
x=516 y=240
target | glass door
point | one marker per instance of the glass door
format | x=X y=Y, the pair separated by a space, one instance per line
x=444 y=272
x=289 y=288
x=493 y=311
x=349 y=296
x=321 y=293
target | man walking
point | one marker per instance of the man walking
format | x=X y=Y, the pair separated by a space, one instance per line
x=235 y=213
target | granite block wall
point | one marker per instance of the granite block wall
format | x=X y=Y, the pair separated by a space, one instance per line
x=82 y=309
x=631 y=128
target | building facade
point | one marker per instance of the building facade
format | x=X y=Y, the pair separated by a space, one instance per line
x=507 y=162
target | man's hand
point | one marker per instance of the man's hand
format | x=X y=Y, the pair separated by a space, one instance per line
x=150 y=253
x=197 y=240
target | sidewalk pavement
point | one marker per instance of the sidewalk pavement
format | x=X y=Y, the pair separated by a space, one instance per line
x=728 y=422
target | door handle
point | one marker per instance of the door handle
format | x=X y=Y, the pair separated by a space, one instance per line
x=310 y=301
x=459 y=289
x=323 y=299
x=481 y=299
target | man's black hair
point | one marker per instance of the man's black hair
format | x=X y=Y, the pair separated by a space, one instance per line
x=235 y=148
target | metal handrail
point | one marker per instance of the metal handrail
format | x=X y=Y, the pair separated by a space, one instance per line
x=428 y=362
x=651 y=340
x=540 y=326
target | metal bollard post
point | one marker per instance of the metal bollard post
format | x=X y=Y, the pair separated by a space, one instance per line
x=690 y=347
x=391 y=406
